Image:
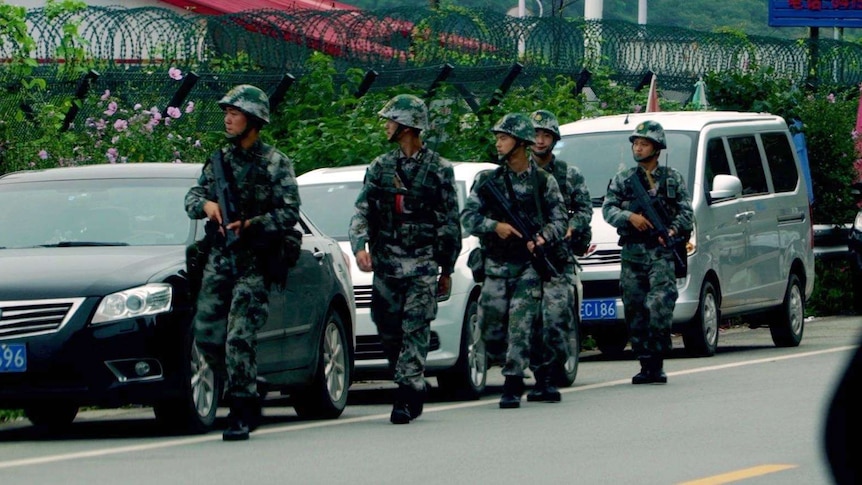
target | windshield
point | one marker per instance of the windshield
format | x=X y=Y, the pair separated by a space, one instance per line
x=599 y=156
x=133 y=212
x=330 y=206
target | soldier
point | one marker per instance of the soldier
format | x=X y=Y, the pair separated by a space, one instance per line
x=647 y=276
x=550 y=347
x=405 y=228
x=233 y=300
x=511 y=296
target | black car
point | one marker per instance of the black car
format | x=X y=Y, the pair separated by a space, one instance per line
x=95 y=307
x=854 y=247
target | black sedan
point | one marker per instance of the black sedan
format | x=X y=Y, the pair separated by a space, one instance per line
x=95 y=307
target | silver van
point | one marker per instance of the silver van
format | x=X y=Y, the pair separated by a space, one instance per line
x=752 y=250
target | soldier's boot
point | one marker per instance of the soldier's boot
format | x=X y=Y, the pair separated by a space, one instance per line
x=253 y=410
x=416 y=401
x=400 y=410
x=658 y=375
x=645 y=375
x=513 y=387
x=237 y=428
x=537 y=393
x=552 y=394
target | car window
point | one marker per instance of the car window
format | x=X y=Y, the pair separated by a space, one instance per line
x=716 y=162
x=779 y=157
x=330 y=206
x=749 y=167
x=133 y=212
x=599 y=156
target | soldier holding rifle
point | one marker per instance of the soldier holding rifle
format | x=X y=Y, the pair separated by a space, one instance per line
x=515 y=262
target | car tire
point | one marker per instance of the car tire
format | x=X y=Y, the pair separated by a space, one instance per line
x=700 y=336
x=570 y=371
x=54 y=415
x=788 y=322
x=466 y=379
x=195 y=411
x=326 y=397
x=611 y=340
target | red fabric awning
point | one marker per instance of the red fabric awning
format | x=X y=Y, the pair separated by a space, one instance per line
x=213 y=7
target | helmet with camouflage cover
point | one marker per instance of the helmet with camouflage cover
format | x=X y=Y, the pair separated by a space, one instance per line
x=249 y=99
x=545 y=120
x=650 y=130
x=517 y=125
x=407 y=110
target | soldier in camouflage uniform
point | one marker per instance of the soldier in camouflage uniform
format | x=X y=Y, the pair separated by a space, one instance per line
x=405 y=228
x=647 y=277
x=550 y=347
x=511 y=297
x=233 y=301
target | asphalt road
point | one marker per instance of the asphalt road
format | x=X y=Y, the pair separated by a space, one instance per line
x=752 y=414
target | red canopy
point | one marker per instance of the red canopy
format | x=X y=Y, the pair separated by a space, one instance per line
x=213 y=7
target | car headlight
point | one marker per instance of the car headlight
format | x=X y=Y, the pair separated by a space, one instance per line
x=857 y=223
x=149 y=299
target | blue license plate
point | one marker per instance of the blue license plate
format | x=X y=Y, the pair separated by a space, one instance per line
x=599 y=309
x=13 y=357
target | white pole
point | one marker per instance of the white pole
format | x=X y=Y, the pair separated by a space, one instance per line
x=593 y=9
x=642 y=12
x=522 y=8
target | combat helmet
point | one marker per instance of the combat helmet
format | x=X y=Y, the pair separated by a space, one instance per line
x=517 y=125
x=650 y=130
x=545 y=120
x=251 y=100
x=407 y=110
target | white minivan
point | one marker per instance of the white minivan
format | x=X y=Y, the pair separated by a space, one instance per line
x=751 y=252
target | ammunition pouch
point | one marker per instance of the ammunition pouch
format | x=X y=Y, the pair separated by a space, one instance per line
x=276 y=253
x=476 y=263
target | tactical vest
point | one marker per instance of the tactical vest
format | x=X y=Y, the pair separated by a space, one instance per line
x=664 y=185
x=404 y=215
x=512 y=249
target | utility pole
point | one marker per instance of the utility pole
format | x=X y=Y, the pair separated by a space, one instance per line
x=642 y=12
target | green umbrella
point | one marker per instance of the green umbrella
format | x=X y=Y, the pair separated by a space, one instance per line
x=698 y=99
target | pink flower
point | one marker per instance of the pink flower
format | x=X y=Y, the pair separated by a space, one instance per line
x=137 y=106
x=112 y=108
x=121 y=125
x=830 y=98
x=106 y=95
x=190 y=107
x=175 y=73
x=197 y=143
x=43 y=154
x=111 y=155
x=174 y=112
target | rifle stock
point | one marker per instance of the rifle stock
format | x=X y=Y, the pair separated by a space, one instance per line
x=659 y=218
x=538 y=257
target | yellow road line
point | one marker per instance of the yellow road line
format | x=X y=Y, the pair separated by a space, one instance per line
x=738 y=475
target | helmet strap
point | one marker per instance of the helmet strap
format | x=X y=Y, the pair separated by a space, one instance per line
x=505 y=157
x=547 y=151
x=397 y=133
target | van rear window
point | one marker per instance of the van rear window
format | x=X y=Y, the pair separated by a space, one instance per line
x=779 y=157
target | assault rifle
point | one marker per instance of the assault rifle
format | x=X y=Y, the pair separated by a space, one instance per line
x=538 y=258
x=226 y=206
x=658 y=216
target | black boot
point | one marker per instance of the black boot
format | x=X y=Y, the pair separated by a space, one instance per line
x=645 y=375
x=400 y=410
x=237 y=427
x=252 y=408
x=513 y=387
x=552 y=394
x=658 y=375
x=537 y=393
x=416 y=401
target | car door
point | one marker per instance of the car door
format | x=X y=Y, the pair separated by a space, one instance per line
x=287 y=340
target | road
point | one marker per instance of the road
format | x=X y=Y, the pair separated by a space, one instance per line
x=752 y=414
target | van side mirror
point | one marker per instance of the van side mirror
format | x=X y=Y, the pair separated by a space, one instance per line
x=725 y=187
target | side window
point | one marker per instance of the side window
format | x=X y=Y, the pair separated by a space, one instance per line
x=716 y=162
x=779 y=157
x=749 y=168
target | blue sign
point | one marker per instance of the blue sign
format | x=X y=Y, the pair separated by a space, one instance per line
x=815 y=13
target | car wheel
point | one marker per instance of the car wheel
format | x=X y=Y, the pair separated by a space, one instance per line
x=55 y=415
x=571 y=368
x=326 y=397
x=195 y=411
x=612 y=340
x=788 y=323
x=466 y=380
x=700 y=336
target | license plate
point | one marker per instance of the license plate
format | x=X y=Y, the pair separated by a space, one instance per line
x=13 y=358
x=599 y=309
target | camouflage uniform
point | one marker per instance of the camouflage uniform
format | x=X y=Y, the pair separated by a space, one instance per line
x=407 y=214
x=512 y=291
x=232 y=307
x=550 y=346
x=647 y=277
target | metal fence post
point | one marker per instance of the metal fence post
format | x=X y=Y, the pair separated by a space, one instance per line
x=83 y=88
